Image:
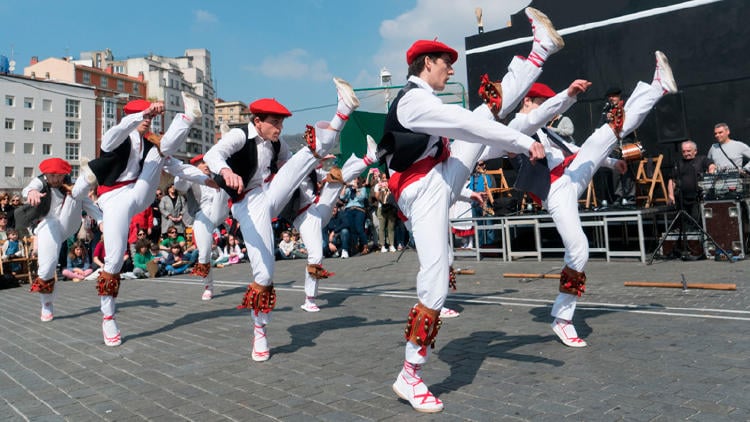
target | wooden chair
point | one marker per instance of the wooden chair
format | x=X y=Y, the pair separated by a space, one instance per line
x=29 y=264
x=502 y=185
x=647 y=179
x=590 y=197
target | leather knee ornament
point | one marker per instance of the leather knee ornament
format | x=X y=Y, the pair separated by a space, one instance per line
x=259 y=298
x=317 y=271
x=201 y=270
x=452 y=279
x=572 y=282
x=422 y=327
x=43 y=286
x=108 y=284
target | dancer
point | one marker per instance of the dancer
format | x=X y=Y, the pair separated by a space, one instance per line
x=128 y=172
x=427 y=174
x=245 y=160
x=61 y=218
x=315 y=212
x=571 y=170
x=211 y=212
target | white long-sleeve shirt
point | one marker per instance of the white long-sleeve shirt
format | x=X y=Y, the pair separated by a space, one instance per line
x=421 y=111
x=233 y=141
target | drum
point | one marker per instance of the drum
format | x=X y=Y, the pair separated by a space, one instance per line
x=632 y=152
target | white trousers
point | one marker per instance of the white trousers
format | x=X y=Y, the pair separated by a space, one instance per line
x=310 y=223
x=426 y=203
x=260 y=205
x=206 y=221
x=562 y=201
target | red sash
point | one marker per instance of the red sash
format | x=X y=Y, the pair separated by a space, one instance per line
x=102 y=189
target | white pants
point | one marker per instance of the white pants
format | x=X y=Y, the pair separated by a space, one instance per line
x=426 y=202
x=255 y=211
x=562 y=201
x=206 y=221
x=310 y=223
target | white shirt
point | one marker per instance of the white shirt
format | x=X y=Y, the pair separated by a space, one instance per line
x=233 y=141
x=421 y=111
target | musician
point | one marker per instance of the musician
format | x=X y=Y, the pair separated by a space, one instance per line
x=563 y=126
x=687 y=172
x=622 y=189
x=727 y=153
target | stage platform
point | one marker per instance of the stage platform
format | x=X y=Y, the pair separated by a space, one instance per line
x=612 y=233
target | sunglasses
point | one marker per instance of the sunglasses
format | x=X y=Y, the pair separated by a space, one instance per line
x=141 y=234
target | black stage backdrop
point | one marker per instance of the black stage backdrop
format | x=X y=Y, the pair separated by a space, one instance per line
x=705 y=41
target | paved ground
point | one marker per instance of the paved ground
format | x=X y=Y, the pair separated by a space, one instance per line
x=655 y=354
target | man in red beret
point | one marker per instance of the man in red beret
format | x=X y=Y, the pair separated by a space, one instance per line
x=49 y=199
x=128 y=172
x=428 y=173
x=209 y=207
x=571 y=170
x=248 y=162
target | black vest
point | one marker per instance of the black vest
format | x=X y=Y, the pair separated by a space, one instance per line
x=27 y=215
x=110 y=165
x=404 y=145
x=245 y=163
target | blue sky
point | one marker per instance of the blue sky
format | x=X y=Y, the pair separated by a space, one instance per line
x=288 y=50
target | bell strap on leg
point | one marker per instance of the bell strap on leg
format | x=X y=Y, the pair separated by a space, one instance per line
x=317 y=271
x=40 y=285
x=422 y=327
x=201 y=270
x=259 y=298
x=108 y=284
x=572 y=282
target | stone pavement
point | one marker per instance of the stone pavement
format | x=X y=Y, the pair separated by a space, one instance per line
x=654 y=354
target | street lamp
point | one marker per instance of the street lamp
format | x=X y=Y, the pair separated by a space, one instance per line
x=385 y=82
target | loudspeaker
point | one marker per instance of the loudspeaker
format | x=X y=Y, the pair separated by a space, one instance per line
x=671 y=125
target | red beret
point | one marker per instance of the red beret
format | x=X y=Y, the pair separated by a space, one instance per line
x=197 y=159
x=136 y=106
x=55 y=166
x=269 y=106
x=540 y=90
x=426 y=46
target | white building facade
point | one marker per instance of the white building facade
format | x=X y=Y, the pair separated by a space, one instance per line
x=43 y=119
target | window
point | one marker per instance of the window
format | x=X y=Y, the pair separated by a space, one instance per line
x=10 y=101
x=46 y=149
x=75 y=170
x=72 y=151
x=47 y=127
x=28 y=125
x=104 y=82
x=28 y=148
x=120 y=85
x=28 y=102
x=72 y=108
x=28 y=172
x=47 y=105
x=10 y=123
x=109 y=109
x=135 y=89
x=72 y=130
x=10 y=148
x=9 y=172
x=86 y=77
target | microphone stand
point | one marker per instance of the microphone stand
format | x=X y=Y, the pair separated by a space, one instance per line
x=681 y=214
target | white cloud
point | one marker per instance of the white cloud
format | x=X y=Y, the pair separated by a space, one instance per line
x=449 y=20
x=205 y=17
x=296 y=64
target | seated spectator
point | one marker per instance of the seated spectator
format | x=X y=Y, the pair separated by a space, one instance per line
x=3 y=226
x=170 y=238
x=79 y=265
x=334 y=235
x=142 y=257
x=285 y=250
x=12 y=248
x=233 y=251
x=218 y=258
x=299 y=245
x=175 y=264
x=7 y=209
